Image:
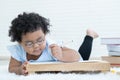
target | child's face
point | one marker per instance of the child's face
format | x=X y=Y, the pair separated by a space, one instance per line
x=34 y=42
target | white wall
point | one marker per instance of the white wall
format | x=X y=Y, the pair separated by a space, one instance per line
x=69 y=19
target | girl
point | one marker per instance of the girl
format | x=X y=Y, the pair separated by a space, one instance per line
x=29 y=30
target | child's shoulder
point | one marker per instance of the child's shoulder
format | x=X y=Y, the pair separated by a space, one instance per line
x=15 y=48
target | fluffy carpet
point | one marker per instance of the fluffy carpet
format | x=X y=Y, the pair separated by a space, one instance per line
x=5 y=75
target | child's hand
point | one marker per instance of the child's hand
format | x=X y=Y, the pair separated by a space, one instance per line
x=23 y=68
x=56 y=51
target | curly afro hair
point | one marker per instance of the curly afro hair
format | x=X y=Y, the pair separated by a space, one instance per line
x=27 y=22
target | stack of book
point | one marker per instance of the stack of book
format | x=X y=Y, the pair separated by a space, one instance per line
x=113 y=47
x=113 y=60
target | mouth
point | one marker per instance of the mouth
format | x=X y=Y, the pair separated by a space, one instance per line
x=37 y=51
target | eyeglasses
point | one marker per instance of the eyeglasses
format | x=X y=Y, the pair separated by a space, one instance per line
x=30 y=44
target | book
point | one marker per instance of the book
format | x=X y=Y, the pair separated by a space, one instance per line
x=113 y=60
x=115 y=65
x=110 y=40
x=71 y=66
x=113 y=47
x=113 y=53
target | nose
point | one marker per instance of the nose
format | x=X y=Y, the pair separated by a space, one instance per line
x=35 y=45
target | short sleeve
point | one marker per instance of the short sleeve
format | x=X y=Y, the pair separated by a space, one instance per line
x=16 y=52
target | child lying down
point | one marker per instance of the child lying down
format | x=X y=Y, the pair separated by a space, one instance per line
x=29 y=30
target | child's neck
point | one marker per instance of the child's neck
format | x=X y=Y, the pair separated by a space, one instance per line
x=32 y=57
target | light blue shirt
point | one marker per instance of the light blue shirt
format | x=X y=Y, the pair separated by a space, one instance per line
x=18 y=53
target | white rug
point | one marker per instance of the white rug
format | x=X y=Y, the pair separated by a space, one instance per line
x=5 y=75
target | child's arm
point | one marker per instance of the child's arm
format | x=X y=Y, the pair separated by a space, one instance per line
x=64 y=54
x=17 y=67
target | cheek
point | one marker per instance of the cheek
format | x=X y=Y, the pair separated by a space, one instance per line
x=29 y=50
x=43 y=47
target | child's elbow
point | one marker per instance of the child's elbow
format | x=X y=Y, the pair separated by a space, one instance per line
x=77 y=59
x=10 y=70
